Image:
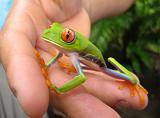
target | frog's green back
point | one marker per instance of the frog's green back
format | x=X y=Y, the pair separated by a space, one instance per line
x=80 y=44
x=89 y=50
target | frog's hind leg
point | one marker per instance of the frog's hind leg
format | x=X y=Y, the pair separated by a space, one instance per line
x=77 y=80
x=116 y=74
x=131 y=80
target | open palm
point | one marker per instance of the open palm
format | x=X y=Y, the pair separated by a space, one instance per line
x=21 y=35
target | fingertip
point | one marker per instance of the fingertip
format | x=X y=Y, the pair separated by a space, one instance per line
x=136 y=95
x=136 y=103
x=131 y=103
x=108 y=91
x=139 y=100
x=72 y=23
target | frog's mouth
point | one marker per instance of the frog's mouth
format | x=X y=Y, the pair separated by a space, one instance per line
x=57 y=46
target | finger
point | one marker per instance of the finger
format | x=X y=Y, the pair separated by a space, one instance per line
x=17 y=40
x=107 y=90
x=61 y=10
x=24 y=74
x=79 y=104
x=77 y=21
x=104 y=87
x=76 y=103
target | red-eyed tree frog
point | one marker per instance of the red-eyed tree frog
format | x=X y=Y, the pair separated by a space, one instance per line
x=81 y=50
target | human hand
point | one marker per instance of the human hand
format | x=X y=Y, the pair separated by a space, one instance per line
x=18 y=38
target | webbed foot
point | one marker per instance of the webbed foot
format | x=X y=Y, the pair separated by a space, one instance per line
x=66 y=64
x=131 y=81
x=137 y=88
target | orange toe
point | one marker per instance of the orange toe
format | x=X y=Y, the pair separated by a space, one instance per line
x=66 y=64
x=135 y=89
x=43 y=68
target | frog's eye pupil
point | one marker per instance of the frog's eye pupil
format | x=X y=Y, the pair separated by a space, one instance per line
x=67 y=35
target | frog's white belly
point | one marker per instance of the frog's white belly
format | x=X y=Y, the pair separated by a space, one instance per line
x=90 y=64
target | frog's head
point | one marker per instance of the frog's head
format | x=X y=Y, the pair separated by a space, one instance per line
x=64 y=38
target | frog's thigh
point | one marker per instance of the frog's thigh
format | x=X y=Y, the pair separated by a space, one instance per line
x=76 y=81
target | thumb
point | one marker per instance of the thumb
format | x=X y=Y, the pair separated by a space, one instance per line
x=23 y=71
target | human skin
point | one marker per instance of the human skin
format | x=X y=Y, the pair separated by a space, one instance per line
x=19 y=37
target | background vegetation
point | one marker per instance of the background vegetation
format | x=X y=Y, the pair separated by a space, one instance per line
x=133 y=38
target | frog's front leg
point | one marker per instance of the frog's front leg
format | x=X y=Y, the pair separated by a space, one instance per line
x=76 y=81
x=53 y=59
x=131 y=80
x=44 y=67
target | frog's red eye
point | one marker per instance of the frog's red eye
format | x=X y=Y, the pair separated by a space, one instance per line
x=67 y=35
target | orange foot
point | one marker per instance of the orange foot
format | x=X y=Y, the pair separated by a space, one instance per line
x=66 y=64
x=134 y=88
x=43 y=68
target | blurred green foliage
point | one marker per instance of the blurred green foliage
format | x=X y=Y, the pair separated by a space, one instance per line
x=133 y=38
